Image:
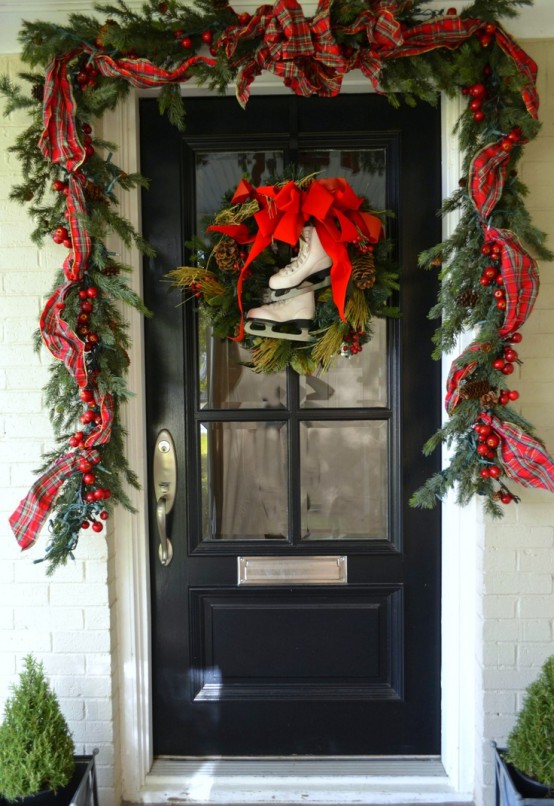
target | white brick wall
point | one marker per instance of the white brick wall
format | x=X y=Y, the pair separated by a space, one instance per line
x=65 y=621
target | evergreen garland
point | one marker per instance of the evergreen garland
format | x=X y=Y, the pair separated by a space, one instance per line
x=168 y=35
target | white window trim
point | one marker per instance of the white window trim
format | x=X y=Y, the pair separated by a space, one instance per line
x=461 y=531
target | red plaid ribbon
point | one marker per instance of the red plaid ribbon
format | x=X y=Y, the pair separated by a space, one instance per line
x=305 y=54
x=141 y=73
x=487 y=176
x=29 y=517
x=301 y=51
x=524 y=458
x=59 y=141
x=521 y=279
x=460 y=369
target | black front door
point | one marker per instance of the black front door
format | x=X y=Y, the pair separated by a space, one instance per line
x=279 y=467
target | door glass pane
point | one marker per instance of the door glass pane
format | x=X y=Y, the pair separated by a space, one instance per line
x=357 y=382
x=224 y=382
x=244 y=480
x=360 y=381
x=363 y=168
x=219 y=172
x=344 y=484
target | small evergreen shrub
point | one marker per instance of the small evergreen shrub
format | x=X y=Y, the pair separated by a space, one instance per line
x=36 y=748
x=531 y=742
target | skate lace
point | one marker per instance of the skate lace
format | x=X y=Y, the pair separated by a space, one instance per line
x=300 y=258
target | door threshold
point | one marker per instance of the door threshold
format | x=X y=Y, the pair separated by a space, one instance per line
x=290 y=781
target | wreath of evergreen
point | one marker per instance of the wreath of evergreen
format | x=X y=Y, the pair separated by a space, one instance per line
x=71 y=184
x=213 y=281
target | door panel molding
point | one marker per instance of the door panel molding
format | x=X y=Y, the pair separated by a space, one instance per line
x=226 y=624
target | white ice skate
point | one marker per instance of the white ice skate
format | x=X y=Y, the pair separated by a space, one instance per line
x=311 y=261
x=267 y=320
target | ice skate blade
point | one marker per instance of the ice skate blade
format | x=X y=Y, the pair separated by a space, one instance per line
x=283 y=294
x=269 y=330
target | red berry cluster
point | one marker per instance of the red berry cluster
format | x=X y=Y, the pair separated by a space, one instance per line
x=486 y=35
x=87 y=76
x=187 y=43
x=487 y=447
x=364 y=247
x=352 y=343
x=61 y=235
x=507 y=396
x=87 y=297
x=492 y=274
x=505 y=362
x=478 y=94
x=92 y=493
x=197 y=288
x=87 y=139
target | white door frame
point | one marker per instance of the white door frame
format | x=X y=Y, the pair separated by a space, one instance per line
x=132 y=588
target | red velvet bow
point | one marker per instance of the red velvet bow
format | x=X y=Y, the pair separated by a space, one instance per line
x=330 y=203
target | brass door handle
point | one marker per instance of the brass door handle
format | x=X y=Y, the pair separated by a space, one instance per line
x=165 y=486
x=165 y=549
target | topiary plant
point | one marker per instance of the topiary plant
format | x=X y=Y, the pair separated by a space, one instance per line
x=36 y=748
x=531 y=743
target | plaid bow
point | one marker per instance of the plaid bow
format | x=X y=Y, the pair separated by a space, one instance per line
x=28 y=518
x=523 y=457
x=521 y=279
x=302 y=52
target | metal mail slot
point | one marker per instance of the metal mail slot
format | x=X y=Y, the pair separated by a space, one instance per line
x=292 y=570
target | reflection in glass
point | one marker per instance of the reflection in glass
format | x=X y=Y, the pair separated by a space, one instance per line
x=219 y=172
x=363 y=169
x=357 y=382
x=244 y=480
x=344 y=486
x=226 y=382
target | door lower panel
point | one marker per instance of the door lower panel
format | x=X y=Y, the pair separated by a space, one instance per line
x=334 y=644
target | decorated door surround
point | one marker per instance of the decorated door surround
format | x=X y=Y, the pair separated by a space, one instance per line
x=312 y=56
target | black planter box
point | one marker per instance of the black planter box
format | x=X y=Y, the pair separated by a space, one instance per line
x=512 y=789
x=80 y=791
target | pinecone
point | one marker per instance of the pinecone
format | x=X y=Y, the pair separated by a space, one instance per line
x=94 y=192
x=467 y=298
x=226 y=254
x=437 y=262
x=111 y=269
x=490 y=399
x=363 y=270
x=37 y=91
x=471 y=390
